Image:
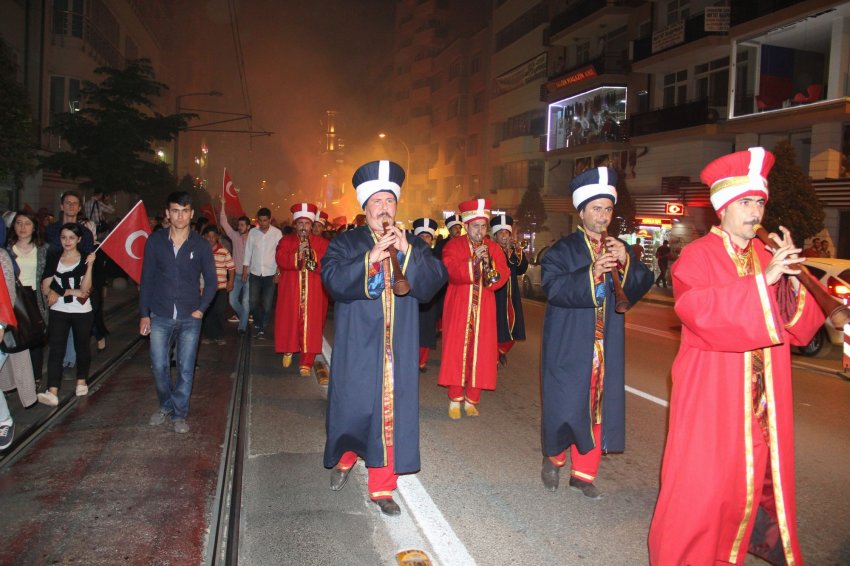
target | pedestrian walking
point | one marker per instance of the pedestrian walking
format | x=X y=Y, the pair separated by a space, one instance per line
x=583 y=385
x=215 y=318
x=260 y=270
x=172 y=306
x=239 y=297
x=662 y=256
x=67 y=282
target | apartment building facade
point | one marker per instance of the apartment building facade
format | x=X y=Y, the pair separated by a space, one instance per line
x=702 y=79
x=57 y=45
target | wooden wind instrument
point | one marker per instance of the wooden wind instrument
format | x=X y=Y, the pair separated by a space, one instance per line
x=401 y=285
x=835 y=310
x=621 y=303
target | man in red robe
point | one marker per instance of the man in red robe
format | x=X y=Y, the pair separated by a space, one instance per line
x=476 y=267
x=301 y=300
x=727 y=481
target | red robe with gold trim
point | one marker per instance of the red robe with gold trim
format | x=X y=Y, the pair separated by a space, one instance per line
x=713 y=489
x=301 y=300
x=470 y=350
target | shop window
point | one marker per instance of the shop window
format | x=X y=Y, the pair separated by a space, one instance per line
x=594 y=116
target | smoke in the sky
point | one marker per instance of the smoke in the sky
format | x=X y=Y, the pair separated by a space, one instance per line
x=300 y=59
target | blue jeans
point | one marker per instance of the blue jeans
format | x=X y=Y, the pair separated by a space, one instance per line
x=5 y=415
x=184 y=333
x=240 y=301
x=262 y=299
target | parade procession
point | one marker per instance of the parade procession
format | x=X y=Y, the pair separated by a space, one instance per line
x=425 y=282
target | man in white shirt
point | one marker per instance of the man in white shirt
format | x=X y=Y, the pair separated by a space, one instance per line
x=260 y=270
x=239 y=238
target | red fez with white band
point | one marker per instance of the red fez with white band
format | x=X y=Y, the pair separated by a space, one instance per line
x=323 y=217
x=475 y=209
x=738 y=175
x=304 y=210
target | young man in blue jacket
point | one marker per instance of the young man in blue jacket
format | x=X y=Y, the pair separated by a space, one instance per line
x=172 y=306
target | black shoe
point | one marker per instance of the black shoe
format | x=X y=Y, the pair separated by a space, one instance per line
x=338 y=478
x=423 y=369
x=388 y=506
x=586 y=487
x=503 y=359
x=550 y=474
x=260 y=335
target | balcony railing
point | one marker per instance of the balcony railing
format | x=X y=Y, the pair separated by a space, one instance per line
x=581 y=10
x=696 y=113
x=743 y=12
x=694 y=30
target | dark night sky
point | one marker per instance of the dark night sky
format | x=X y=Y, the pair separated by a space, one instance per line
x=301 y=59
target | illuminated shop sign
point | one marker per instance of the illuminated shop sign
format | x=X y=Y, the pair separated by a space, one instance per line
x=572 y=78
x=674 y=208
x=657 y=222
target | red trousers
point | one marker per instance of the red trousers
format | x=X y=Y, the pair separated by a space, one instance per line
x=469 y=394
x=307 y=360
x=423 y=356
x=382 y=480
x=505 y=347
x=584 y=466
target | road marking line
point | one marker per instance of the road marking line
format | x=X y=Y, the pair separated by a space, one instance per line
x=647 y=396
x=434 y=526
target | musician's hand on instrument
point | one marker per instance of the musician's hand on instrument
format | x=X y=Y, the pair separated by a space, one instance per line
x=401 y=242
x=481 y=252
x=303 y=245
x=379 y=250
x=783 y=263
x=617 y=248
x=604 y=263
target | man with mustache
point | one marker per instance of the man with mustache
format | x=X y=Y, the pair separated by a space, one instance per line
x=301 y=300
x=727 y=481
x=584 y=405
x=470 y=354
x=373 y=396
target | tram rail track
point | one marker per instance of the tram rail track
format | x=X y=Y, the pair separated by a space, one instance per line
x=222 y=544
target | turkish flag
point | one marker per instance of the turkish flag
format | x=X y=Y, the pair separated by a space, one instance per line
x=208 y=213
x=232 y=206
x=126 y=243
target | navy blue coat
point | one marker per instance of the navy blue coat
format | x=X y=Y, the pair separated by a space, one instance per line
x=511 y=292
x=428 y=314
x=354 y=418
x=568 y=337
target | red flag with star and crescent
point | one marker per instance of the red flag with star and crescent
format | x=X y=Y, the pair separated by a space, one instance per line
x=232 y=206
x=126 y=243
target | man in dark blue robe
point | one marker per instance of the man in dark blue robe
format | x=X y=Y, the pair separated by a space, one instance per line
x=583 y=383
x=425 y=229
x=510 y=322
x=373 y=396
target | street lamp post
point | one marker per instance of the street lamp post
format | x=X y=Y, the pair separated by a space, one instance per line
x=407 y=171
x=177 y=134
